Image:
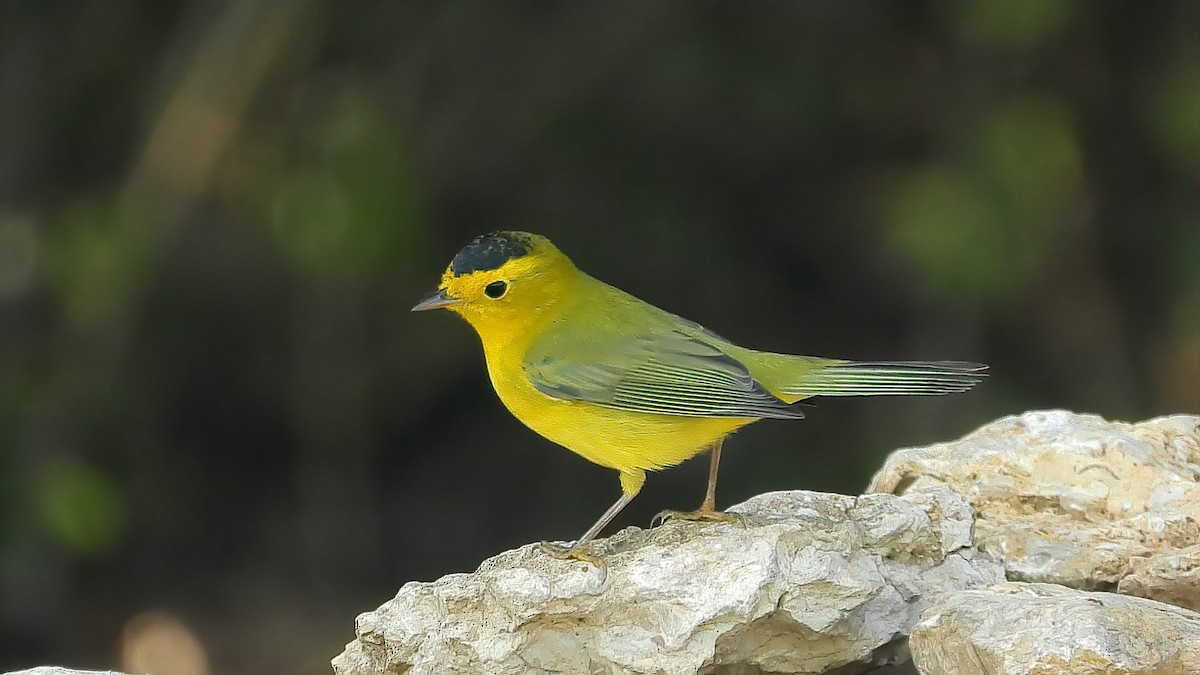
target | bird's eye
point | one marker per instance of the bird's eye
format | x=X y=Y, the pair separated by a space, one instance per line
x=495 y=290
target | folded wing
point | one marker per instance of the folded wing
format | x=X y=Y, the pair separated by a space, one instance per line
x=669 y=371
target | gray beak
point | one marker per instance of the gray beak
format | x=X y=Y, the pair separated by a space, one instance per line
x=438 y=300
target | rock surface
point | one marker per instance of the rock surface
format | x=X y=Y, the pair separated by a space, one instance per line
x=808 y=583
x=1017 y=628
x=1075 y=500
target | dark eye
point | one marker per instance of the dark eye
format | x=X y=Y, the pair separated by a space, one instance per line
x=495 y=290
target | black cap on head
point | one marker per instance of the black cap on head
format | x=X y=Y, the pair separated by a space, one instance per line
x=489 y=252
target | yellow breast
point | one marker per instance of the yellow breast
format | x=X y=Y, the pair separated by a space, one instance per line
x=617 y=439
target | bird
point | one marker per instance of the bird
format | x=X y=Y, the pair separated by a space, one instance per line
x=632 y=387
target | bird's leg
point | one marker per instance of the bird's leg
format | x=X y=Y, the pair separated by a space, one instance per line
x=708 y=508
x=576 y=550
x=631 y=484
x=709 y=505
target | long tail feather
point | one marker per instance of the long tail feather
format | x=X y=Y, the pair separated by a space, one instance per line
x=874 y=378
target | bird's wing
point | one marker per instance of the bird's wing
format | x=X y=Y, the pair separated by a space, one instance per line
x=667 y=371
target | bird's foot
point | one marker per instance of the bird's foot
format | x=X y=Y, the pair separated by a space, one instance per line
x=574 y=552
x=700 y=515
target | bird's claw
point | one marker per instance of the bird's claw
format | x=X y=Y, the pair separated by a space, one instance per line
x=579 y=553
x=701 y=515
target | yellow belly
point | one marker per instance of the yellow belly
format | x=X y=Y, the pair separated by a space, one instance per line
x=617 y=439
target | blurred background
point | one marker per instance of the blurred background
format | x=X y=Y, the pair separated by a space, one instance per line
x=224 y=435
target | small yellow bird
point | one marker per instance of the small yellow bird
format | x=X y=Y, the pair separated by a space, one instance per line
x=627 y=385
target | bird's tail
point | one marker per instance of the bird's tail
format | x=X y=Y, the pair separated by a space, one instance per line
x=876 y=378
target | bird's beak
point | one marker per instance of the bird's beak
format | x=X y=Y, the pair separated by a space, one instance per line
x=438 y=300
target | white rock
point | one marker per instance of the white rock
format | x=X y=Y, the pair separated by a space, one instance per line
x=808 y=583
x=1075 y=500
x=1172 y=577
x=1018 y=628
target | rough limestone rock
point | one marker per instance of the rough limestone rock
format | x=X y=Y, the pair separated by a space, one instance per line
x=808 y=583
x=1172 y=577
x=1042 y=629
x=1075 y=500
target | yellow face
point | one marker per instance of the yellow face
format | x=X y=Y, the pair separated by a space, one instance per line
x=504 y=283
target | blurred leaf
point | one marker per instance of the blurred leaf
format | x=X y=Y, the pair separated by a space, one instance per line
x=97 y=257
x=1173 y=115
x=1014 y=24
x=1029 y=147
x=352 y=209
x=81 y=508
x=982 y=230
x=947 y=229
x=311 y=216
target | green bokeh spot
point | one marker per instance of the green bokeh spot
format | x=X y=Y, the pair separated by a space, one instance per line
x=945 y=228
x=1030 y=149
x=311 y=215
x=80 y=508
x=97 y=257
x=1012 y=24
x=1173 y=113
x=351 y=208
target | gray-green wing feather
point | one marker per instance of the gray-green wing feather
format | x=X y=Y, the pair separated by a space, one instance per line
x=670 y=371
